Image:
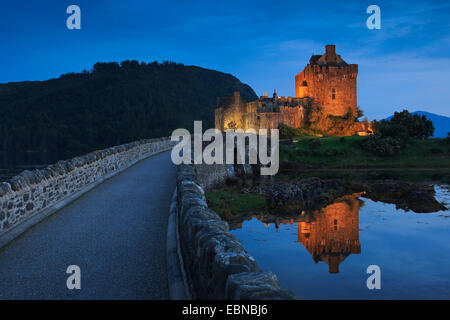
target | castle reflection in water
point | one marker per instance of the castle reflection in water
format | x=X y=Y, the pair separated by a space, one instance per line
x=332 y=233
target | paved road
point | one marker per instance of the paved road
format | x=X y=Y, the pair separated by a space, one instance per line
x=116 y=234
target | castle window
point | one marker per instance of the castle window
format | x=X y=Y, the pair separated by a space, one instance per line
x=333 y=96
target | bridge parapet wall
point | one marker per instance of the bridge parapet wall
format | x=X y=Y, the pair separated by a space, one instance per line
x=33 y=192
x=216 y=264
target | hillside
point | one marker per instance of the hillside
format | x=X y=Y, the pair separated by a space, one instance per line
x=110 y=105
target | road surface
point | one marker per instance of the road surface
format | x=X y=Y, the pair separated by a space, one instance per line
x=116 y=234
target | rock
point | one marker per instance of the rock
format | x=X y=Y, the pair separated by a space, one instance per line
x=212 y=255
x=4 y=188
x=422 y=202
x=406 y=196
x=255 y=286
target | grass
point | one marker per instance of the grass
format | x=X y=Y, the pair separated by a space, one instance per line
x=346 y=153
x=342 y=158
x=228 y=201
x=365 y=175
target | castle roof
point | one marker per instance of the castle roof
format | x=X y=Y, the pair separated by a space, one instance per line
x=329 y=58
x=314 y=58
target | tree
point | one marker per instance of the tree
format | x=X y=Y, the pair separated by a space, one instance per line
x=386 y=128
x=392 y=135
x=115 y=103
x=359 y=112
x=418 y=126
x=286 y=132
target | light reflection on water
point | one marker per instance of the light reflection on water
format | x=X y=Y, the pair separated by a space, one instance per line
x=324 y=255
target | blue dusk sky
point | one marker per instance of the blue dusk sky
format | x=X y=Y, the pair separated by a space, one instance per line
x=263 y=43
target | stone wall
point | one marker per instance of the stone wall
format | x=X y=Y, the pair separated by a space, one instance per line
x=33 y=192
x=216 y=264
x=290 y=116
x=333 y=87
x=264 y=113
x=330 y=81
x=228 y=115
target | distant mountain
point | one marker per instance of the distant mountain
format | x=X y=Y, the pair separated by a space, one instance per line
x=110 y=105
x=441 y=123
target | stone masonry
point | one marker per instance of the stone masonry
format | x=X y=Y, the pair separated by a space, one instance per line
x=32 y=192
x=216 y=264
x=326 y=88
x=330 y=81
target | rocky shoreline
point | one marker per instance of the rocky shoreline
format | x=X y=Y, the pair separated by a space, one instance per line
x=288 y=199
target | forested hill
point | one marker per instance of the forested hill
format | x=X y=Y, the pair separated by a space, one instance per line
x=110 y=105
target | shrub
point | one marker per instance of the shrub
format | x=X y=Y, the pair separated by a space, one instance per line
x=308 y=131
x=437 y=151
x=382 y=145
x=286 y=132
x=331 y=152
x=392 y=130
x=403 y=125
x=392 y=135
x=418 y=126
x=359 y=112
x=314 y=144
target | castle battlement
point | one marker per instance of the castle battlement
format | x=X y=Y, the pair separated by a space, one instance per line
x=330 y=81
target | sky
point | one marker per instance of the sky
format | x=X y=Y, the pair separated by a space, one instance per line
x=405 y=64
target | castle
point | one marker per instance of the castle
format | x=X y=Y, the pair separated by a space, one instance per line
x=333 y=234
x=325 y=100
x=330 y=234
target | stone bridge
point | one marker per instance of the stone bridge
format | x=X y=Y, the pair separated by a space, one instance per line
x=115 y=233
x=108 y=213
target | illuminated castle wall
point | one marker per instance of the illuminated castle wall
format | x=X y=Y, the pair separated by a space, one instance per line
x=330 y=81
x=264 y=113
x=327 y=82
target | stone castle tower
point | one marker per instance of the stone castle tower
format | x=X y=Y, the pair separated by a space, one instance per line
x=333 y=234
x=330 y=81
x=325 y=96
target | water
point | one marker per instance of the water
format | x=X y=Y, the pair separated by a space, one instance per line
x=325 y=254
x=12 y=164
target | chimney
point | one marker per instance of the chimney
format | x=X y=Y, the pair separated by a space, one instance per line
x=330 y=53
